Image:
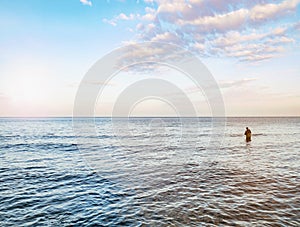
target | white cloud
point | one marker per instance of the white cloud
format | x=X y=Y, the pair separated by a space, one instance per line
x=252 y=46
x=111 y=22
x=241 y=83
x=150 y=10
x=86 y=2
x=165 y=37
x=234 y=28
x=235 y=83
x=233 y=37
x=233 y=20
x=269 y=11
x=149 y=17
x=151 y=26
x=281 y=40
x=199 y=46
x=121 y=16
x=140 y=27
x=297 y=26
x=220 y=23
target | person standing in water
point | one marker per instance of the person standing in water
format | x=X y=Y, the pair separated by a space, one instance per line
x=248 y=134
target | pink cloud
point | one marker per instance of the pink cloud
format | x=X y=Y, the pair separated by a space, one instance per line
x=234 y=28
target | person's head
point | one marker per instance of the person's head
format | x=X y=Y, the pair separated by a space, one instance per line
x=247 y=128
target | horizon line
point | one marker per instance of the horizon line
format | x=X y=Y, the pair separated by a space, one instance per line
x=231 y=116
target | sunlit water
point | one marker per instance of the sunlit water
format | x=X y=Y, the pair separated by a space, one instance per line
x=151 y=176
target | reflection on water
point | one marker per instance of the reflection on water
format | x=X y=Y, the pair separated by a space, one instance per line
x=44 y=179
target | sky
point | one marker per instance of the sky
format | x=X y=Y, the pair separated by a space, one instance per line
x=252 y=49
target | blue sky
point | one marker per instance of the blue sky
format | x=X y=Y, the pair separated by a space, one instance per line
x=252 y=48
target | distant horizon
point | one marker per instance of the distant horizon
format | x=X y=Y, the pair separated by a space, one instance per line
x=274 y=116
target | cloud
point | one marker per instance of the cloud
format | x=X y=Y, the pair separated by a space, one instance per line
x=252 y=46
x=99 y=83
x=264 y=12
x=121 y=16
x=111 y=22
x=297 y=26
x=219 y=23
x=224 y=84
x=167 y=37
x=234 y=37
x=236 y=83
x=183 y=15
x=247 y=30
x=75 y=84
x=222 y=15
x=86 y=2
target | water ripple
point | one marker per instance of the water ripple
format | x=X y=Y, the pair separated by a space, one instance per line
x=44 y=180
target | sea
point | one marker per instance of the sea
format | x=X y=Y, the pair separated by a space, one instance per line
x=150 y=172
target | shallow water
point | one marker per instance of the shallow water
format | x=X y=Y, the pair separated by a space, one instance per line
x=151 y=175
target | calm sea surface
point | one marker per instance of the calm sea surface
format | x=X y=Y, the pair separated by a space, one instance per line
x=152 y=175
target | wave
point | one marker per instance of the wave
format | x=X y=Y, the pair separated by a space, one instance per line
x=242 y=134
